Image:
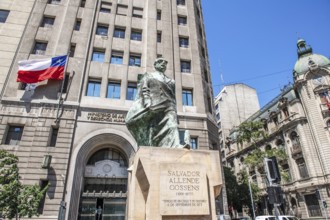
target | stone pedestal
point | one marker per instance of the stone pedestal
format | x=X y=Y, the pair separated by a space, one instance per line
x=173 y=184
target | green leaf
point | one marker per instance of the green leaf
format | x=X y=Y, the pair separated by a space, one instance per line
x=14 y=196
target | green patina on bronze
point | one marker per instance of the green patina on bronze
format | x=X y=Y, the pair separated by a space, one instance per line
x=152 y=119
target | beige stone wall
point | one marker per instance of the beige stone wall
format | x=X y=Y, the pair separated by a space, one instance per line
x=11 y=33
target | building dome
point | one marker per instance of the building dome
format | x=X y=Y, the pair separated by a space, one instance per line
x=306 y=58
x=303 y=63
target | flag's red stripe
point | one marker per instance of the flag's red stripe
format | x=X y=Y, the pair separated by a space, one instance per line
x=40 y=75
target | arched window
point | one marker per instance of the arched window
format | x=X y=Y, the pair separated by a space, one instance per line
x=108 y=154
x=264 y=124
x=294 y=139
x=328 y=125
x=268 y=147
x=280 y=144
x=231 y=164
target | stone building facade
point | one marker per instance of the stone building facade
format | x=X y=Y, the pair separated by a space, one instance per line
x=296 y=121
x=234 y=104
x=77 y=141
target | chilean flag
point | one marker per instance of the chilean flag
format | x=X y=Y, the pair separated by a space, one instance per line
x=33 y=71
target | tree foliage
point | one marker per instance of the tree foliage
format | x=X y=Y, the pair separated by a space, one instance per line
x=238 y=194
x=16 y=199
x=257 y=156
x=250 y=132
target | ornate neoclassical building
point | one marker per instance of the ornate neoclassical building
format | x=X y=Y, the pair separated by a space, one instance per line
x=297 y=121
x=77 y=141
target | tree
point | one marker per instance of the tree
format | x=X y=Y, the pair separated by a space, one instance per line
x=16 y=200
x=232 y=189
x=238 y=194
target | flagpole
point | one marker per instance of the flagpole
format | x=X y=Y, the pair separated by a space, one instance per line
x=60 y=100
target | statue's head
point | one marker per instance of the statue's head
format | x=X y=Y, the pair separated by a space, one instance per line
x=160 y=64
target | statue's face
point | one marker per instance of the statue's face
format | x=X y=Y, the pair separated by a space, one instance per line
x=160 y=65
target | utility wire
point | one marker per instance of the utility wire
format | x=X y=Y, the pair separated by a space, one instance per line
x=269 y=90
x=252 y=78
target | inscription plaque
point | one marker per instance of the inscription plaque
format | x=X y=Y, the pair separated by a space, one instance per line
x=107 y=117
x=183 y=190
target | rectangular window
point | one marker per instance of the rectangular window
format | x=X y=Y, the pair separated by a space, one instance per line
x=122 y=10
x=105 y=7
x=77 y=25
x=136 y=35
x=119 y=32
x=135 y=60
x=102 y=30
x=55 y=2
x=159 y=15
x=53 y=136
x=286 y=171
x=72 y=50
x=185 y=66
x=66 y=83
x=115 y=208
x=40 y=48
x=194 y=143
x=209 y=104
x=82 y=3
x=181 y=2
x=302 y=168
x=117 y=57
x=14 y=135
x=200 y=30
x=47 y=22
x=313 y=205
x=43 y=184
x=131 y=91
x=182 y=20
x=198 y=13
x=93 y=88
x=113 y=90
x=187 y=97
x=159 y=36
x=98 y=55
x=203 y=51
x=184 y=42
x=206 y=76
x=137 y=12
x=22 y=86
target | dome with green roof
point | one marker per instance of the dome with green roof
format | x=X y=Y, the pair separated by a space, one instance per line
x=306 y=58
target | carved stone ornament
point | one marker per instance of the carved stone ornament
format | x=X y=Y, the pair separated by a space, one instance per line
x=106 y=168
x=312 y=65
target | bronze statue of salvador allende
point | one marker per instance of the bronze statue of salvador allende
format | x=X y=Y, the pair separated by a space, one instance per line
x=152 y=119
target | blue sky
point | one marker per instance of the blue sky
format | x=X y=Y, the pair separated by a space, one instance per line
x=254 y=41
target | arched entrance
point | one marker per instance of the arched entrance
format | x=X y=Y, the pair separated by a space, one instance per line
x=105 y=185
x=99 y=169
